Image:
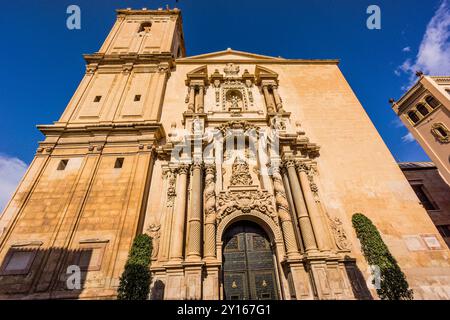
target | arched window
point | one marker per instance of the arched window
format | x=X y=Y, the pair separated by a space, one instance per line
x=442 y=132
x=422 y=109
x=413 y=116
x=432 y=102
x=145 y=27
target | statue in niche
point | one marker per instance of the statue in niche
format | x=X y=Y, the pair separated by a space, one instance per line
x=197 y=125
x=278 y=124
x=234 y=101
x=240 y=173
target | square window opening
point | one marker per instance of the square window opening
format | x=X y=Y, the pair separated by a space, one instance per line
x=119 y=163
x=18 y=262
x=62 y=164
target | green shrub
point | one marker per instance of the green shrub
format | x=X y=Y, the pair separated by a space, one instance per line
x=136 y=278
x=393 y=284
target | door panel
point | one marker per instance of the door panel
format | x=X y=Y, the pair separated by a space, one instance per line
x=248 y=264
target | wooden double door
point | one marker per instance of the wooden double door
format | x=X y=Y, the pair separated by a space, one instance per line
x=248 y=264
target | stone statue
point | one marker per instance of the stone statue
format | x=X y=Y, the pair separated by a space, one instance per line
x=154 y=232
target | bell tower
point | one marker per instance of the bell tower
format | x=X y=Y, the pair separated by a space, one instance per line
x=145 y=32
x=83 y=198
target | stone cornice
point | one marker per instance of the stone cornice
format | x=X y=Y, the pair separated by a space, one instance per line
x=441 y=79
x=408 y=98
x=102 y=58
x=58 y=129
x=256 y=61
x=161 y=12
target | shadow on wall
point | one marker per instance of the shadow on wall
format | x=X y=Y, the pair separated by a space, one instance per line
x=357 y=281
x=28 y=272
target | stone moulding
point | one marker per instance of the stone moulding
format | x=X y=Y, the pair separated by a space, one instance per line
x=252 y=215
x=435 y=132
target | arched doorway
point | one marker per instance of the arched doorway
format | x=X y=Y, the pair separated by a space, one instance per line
x=248 y=263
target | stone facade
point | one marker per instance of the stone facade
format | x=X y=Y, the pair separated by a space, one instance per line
x=148 y=144
x=432 y=192
x=425 y=111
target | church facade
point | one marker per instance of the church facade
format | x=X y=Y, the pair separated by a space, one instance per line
x=244 y=169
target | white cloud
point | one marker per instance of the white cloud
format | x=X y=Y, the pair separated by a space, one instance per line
x=397 y=123
x=433 y=56
x=408 y=138
x=11 y=171
x=406 y=49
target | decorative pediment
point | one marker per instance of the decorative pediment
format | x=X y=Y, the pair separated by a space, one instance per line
x=230 y=55
x=262 y=74
x=199 y=74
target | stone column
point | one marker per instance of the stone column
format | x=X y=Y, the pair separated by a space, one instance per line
x=278 y=103
x=191 y=102
x=200 y=99
x=269 y=102
x=195 y=219
x=209 y=194
x=176 y=248
x=284 y=215
x=300 y=207
x=314 y=214
x=287 y=189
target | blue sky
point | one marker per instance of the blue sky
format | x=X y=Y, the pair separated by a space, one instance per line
x=43 y=64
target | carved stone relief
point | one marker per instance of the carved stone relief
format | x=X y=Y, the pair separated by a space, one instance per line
x=231 y=70
x=340 y=236
x=171 y=193
x=240 y=173
x=245 y=201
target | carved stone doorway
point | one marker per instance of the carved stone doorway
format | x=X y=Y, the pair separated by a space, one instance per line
x=248 y=263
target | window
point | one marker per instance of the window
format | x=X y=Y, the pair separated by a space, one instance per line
x=146 y=26
x=18 y=262
x=413 y=116
x=432 y=102
x=422 y=109
x=444 y=230
x=90 y=256
x=441 y=131
x=119 y=163
x=62 y=164
x=137 y=97
x=97 y=98
x=424 y=199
